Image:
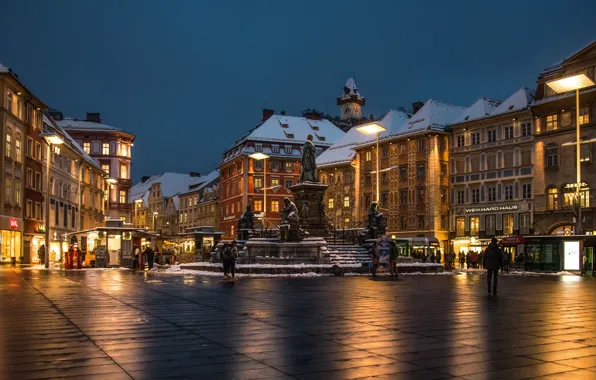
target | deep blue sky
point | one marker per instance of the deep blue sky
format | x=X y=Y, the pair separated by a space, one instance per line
x=191 y=77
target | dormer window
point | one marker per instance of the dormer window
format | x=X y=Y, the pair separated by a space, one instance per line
x=284 y=125
x=288 y=149
x=289 y=135
x=258 y=147
x=275 y=148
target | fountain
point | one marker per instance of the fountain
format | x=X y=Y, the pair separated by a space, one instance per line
x=303 y=227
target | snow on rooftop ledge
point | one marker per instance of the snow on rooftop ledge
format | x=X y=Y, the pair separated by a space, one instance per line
x=3 y=69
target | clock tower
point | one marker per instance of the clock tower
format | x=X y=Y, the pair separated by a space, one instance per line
x=350 y=101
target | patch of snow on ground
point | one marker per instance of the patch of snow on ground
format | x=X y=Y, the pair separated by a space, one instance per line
x=175 y=269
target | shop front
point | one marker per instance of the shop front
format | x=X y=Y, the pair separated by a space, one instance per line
x=557 y=253
x=33 y=238
x=199 y=242
x=11 y=235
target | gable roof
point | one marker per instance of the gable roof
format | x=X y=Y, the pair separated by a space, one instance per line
x=481 y=108
x=519 y=100
x=575 y=54
x=71 y=124
x=433 y=115
x=342 y=151
x=295 y=129
x=171 y=184
x=47 y=119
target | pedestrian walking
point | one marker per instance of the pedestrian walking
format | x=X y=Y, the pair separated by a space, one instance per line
x=150 y=255
x=227 y=258
x=393 y=259
x=375 y=259
x=462 y=259
x=494 y=261
x=506 y=262
x=41 y=253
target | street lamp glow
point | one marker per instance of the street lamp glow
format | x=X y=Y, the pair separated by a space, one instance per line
x=138 y=201
x=52 y=138
x=371 y=129
x=155 y=212
x=111 y=180
x=572 y=83
x=259 y=156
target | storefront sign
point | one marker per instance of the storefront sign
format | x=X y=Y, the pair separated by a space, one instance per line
x=40 y=228
x=231 y=217
x=512 y=240
x=491 y=209
x=571 y=252
x=14 y=224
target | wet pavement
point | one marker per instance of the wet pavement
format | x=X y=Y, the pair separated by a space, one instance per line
x=120 y=325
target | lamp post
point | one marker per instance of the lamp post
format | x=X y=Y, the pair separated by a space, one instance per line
x=51 y=139
x=111 y=182
x=369 y=129
x=575 y=82
x=258 y=157
x=154 y=216
x=137 y=202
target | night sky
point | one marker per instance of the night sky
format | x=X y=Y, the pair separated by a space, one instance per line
x=191 y=77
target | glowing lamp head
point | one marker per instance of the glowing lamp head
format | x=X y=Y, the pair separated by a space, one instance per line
x=572 y=83
x=371 y=129
x=52 y=138
x=259 y=156
x=111 y=180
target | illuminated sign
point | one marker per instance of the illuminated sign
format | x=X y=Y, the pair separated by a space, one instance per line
x=571 y=252
x=14 y=224
x=41 y=228
x=491 y=209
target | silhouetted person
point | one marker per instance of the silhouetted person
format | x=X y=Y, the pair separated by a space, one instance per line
x=494 y=261
x=150 y=255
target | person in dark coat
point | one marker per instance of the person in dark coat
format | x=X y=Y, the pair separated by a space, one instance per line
x=393 y=259
x=150 y=256
x=226 y=259
x=494 y=261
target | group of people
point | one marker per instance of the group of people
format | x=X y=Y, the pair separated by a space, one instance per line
x=151 y=255
x=476 y=260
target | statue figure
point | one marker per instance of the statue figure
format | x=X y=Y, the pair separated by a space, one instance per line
x=247 y=220
x=377 y=225
x=289 y=214
x=309 y=165
x=305 y=208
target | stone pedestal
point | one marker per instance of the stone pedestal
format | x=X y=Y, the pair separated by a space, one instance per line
x=308 y=198
x=274 y=251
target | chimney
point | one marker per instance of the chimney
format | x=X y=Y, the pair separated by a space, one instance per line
x=311 y=114
x=267 y=113
x=94 y=117
x=195 y=174
x=416 y=106
x=56 y=115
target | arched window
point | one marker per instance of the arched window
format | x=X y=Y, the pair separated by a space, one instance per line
x=552 y=202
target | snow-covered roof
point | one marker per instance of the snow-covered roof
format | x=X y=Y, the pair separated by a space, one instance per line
x=433 y=115
x=519 y=100
x=350 y=89
x=3 y=69
x=171 y=184
x=82 y=125
x=296 y=129
x=342 y=151
x=47 y=119
x=560 y=63
x=483 y=107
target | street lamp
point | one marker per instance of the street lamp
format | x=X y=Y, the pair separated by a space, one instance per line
x=258 y=157
x=369 y=129
x=137 y=203
x=51 y=139
x=154 y=216
x=574 y=82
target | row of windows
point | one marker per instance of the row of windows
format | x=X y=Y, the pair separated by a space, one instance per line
x=124 y=172
x=15 y=104
x=493 y=193
x=414 y=146
x=288 y=149
x=484 y=161
x=331 y=202
x=567 y=197
x=490 y=224
x=551 y=154
x=106 y=148
x=12 y=197
x=492 y=134
x=562 y=120
x=274 y=165
x=12 y=148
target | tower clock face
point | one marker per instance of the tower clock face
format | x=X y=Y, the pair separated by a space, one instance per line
x=347 y=109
